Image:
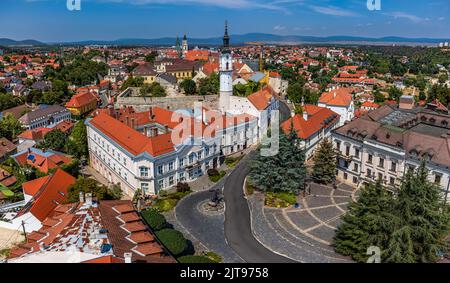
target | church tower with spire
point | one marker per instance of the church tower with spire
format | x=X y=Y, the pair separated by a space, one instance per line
x=185 y=45
x=226 y=73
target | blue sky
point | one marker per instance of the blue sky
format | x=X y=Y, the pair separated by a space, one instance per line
x=50 y=20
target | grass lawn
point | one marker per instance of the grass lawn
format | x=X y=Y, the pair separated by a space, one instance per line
x=280 y=199
x=231 y=162
x=169 y=201
x=216 y=178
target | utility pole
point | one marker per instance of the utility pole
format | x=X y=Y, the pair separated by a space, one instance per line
x=24 y=232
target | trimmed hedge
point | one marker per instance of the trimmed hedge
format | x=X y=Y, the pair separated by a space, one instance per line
x=195 y=259
x=154 y=219
x=173 y=240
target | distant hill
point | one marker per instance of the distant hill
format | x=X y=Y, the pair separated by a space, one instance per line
x=241 y=39
x=27 y=42
x=270 y=39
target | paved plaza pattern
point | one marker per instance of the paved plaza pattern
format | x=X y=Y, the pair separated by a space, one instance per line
x=303 y=234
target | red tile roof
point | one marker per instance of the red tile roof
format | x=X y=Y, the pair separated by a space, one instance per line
x=51 y=193
x=35 y=135
x=261 y=98
x=105 y=259
x=42 y=163
x=318 y=118
x=81 y=99
x=34 y=186
x=141 y=242
x=338 y=97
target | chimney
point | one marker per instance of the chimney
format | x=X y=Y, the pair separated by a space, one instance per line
x=305 y=115
x=127 y=257
x=127 y=120
x=133 y=123
x=151 y=114
x=111 y=110
x=89 y=198
x=81 y=197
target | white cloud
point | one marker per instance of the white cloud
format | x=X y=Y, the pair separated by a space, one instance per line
x=279 y=28
x=333 y=11
x=441 y=18
x=410 y=17
x=231 y=4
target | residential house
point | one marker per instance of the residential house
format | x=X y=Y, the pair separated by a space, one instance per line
x=43 y=196
x=82 y=103
x=42 y=160
x=45 y=116
x=7 y=148
x=340 y=101
x=312 y=126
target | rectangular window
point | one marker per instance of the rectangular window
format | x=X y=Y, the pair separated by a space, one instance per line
x=181 y=177
x=381 y=163
x=347 y=150
x=393 y=166
x=191 y=158
x=356 y=152
x=161 y=183
x=391 y=181
x=369 y=158
x=380 y=176
x=369 y=173
x=437 y=178
x=345 y=176
x=171 y=181
x=181 y=162
x=207 y=151
x=199 y=155
x=171 y=163
x=160 y=170
x=355 y=167
x=144 y=171
x=355 y=180
x=144 y=187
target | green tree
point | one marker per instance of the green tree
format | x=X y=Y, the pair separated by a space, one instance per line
x=10 y=127
x=55 y=140
x=209 y=85
x=443 y=78
x=132 y=82
x=284 y=171
x=379 y=97
x=7 y=100
x=150 y=58
x=361 y=225
x=88 y=185
x=421 y=221
x=77 y=141
x=324 y=170
x=189 y=86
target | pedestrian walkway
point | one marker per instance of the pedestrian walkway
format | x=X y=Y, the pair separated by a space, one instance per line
x=306 y=233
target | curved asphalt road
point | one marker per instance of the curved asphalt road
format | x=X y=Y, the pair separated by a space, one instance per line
x=238 y=229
